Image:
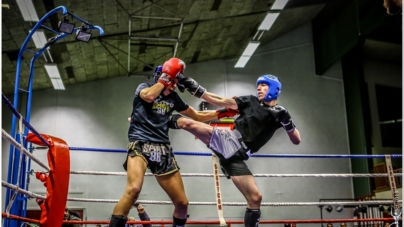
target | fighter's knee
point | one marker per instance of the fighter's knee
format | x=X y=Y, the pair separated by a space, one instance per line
x=133 y=191
x=181 y=204
x=256 y=197
x=185 y=123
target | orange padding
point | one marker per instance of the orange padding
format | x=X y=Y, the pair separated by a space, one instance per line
x=216 y=222
x=57 y=182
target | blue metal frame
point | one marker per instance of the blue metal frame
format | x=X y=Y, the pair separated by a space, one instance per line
x=20 y=204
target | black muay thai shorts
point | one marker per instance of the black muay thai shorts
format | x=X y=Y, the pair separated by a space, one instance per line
x=159 y=157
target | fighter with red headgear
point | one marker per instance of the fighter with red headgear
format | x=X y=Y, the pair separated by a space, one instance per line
x=149 y=144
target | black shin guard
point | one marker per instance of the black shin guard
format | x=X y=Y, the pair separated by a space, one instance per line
x=252 y=217
x=118 y=221
x=179 y=222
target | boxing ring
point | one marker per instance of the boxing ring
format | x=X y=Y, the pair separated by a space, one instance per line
x=56 y=178
x=56 y=174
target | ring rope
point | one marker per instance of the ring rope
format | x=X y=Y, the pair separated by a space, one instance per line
x=10 y=204
x=253 y=155
x=255 y=175
x=214 y=221
x=6 y=136
x=342 y=203
x=18 y=115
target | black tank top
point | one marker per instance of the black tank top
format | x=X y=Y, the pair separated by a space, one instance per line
x=255 y=123
x=149 y=121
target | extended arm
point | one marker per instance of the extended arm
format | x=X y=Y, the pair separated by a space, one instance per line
x=220 y=101
x=204 y=116
x=200 y=92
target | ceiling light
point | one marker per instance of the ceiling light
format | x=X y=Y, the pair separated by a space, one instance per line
x=339 y=208
x=248 y=52
x=279 y=4
x=242 y=61
x=65 y=26
x=54 y=75
x=27 y=10
x=250 y=49
x=39 y=38
x=268 y=21
x=83 y=35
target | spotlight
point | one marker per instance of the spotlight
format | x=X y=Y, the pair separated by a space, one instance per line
x=329 y=209
x=339 y=208
x=65 y=26
x=82 y=35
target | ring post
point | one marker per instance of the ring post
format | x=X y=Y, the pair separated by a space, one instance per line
x=19 y=206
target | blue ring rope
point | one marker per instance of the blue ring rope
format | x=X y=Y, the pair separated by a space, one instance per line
x=254 y=155
x=18 y=115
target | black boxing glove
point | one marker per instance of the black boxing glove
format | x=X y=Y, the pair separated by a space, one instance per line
x=172 y=122
x=192 y=86
x=282 y=115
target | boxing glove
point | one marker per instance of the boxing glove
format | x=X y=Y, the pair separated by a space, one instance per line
x=282 y=115
x=192 y=86
x=174 y=67
x=226 y=112
x=166 y=80
x=172 y=122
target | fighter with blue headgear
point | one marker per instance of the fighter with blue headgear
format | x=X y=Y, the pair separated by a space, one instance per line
x=275 y=86
x=259 y=118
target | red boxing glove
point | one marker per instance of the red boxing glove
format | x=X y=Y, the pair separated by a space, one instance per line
x=226 y=112
x=174 y=67
x=166 y=80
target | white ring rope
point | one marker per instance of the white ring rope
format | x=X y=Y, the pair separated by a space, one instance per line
x=19 y=168
x=6 y=136
x=255 y=175
x=342 y=203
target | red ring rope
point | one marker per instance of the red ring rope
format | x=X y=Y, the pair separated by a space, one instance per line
x=215 y=222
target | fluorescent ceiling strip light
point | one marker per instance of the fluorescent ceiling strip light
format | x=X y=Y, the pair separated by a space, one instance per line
x=57 y=84
x=279 y=4
x=39 y=38
x=27 y=10
x=54 y=83
x=54 y=76
x=268 y=21
x=250 y=49
x=61 y=86
x=242 y=61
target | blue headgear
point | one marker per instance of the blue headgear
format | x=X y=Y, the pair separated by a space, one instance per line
x=157 y=73
x=274 y=85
